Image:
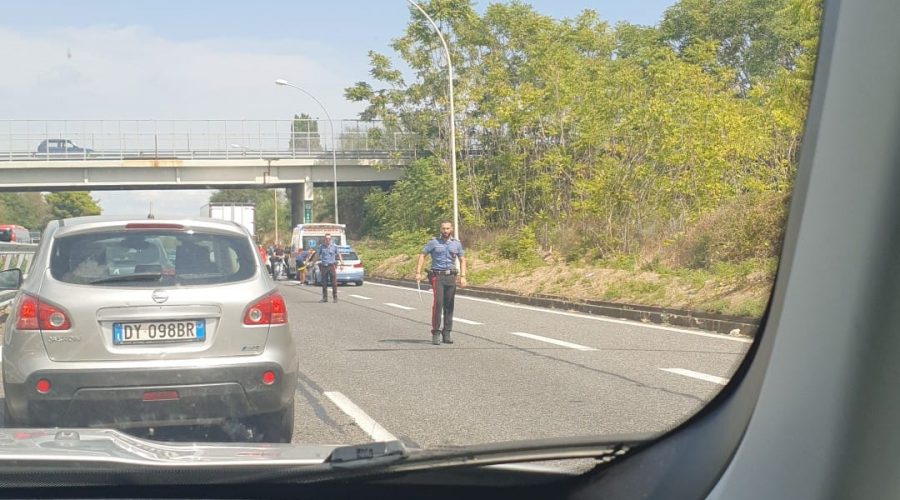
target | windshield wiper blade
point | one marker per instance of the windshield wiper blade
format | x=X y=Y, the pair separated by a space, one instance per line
x=367 y=454
x=392 y=457
x=129 y=277
x=603 y=449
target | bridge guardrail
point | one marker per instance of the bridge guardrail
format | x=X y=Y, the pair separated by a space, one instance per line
x=115 y=139
x=15 y=255
x=214 y=155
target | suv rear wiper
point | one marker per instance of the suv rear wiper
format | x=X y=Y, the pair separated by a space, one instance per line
x=129 y=277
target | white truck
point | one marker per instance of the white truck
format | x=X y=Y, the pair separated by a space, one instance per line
x=242 y=213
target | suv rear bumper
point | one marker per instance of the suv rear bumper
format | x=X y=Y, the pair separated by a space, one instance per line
x=177 y=396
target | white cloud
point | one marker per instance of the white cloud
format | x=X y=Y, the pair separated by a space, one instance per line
x=130 y=73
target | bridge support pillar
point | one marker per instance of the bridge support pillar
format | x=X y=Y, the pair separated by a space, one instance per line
x=301 y=203
x=296 y=191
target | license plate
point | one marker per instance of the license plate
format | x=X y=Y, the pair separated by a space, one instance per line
x=159 y=332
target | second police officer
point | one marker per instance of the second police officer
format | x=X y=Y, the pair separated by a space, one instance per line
x=444 y=250
x=327 y=255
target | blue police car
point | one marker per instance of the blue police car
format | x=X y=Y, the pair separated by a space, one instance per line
x=352 y=271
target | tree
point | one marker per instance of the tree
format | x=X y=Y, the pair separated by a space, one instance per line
x=305 y=134
x=751 y=39
x=25 y=209
x=237 y=196
x=622 y=135
x=265 y=216
x=72 y=204
x=417 y=202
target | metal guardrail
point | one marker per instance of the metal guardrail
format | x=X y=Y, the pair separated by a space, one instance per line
x=15 y=255
x=163 y=154
x=116 y=140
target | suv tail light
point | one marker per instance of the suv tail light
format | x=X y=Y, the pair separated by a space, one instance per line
x=269 y=310
x=34 y=314
x=358 y=264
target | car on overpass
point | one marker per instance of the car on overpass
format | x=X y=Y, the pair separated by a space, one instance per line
x=203 y=340
x=64 y=147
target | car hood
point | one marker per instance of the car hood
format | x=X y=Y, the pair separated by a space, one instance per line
x=110 y=446
x=40 y=457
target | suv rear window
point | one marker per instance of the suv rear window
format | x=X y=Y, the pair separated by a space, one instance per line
x=148 y=258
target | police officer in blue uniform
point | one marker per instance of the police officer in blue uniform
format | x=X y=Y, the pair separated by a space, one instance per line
x=328 y=254
x=444 y=251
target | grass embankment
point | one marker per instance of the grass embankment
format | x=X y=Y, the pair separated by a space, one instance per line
x=738 y=290
x=723 y=263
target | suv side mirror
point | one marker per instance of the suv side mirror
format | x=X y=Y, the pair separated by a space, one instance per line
x=11 y=279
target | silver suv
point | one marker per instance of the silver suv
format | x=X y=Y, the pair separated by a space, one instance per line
x=128 y=323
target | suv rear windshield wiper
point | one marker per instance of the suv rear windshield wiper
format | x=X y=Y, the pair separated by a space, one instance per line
x=129 y=277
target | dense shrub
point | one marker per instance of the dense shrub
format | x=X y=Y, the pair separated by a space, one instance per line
x=746 y=227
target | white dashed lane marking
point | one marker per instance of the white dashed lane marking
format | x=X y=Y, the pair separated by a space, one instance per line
x=362 y=419
x=398 y=306
x=698 y=333
x=466 y=321
x=363 y=297
x=697 y=375
x=548 y=340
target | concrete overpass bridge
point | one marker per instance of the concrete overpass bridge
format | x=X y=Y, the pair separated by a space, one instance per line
x=96 y=155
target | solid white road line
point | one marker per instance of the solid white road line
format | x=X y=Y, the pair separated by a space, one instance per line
x=362 y=419
x=360 y=296
x=701 y=376
x=398 y=306
x=554 y=341
x=466 y=321
x=594 y=318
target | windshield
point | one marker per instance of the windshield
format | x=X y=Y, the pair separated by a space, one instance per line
x=313 y=242
x=120 y=257
x=576 y=234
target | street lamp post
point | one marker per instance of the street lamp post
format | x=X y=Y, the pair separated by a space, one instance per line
x=285 y=83
x=452 y=115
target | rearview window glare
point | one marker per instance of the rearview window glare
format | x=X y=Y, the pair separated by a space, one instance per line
x=128 y=258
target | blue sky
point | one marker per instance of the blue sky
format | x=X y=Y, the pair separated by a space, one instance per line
x=191 y=59
x=347 y=23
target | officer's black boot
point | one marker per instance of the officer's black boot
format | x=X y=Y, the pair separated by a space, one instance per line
x=324 y=298
x=447 y=339
x=436 y=338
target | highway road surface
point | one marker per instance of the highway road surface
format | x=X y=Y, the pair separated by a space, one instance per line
x=368 y=371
